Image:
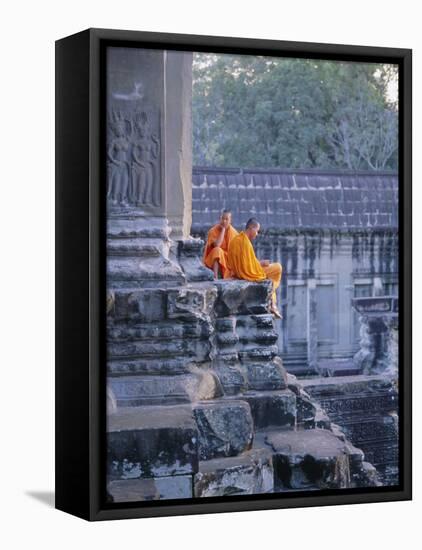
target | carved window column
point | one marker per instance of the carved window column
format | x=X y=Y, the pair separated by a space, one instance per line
x=311 y=324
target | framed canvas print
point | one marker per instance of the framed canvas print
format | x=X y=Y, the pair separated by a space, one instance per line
x=233 y=274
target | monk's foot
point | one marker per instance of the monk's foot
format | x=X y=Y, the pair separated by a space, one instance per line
x=274 y=310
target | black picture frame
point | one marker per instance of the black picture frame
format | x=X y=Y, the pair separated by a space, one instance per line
x=80 y=273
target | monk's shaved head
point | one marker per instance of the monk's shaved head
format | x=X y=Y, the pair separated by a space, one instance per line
x=252 y=222
x=252 y=228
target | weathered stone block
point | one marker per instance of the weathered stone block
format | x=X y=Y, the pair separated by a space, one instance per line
x=321 y=419
x=132 y=273
x=256 y=330
x=226 y=324
x=231 y=376
x=272 y=408
x=191 y=302
x=189 y=255
x=139 y=227
x=368 y=476
x=162 y=331
x=132 y=490
x=145 y=442
x=174 y=487
x=148 y=390
x=198 y=349
x=147 y=305
x=306 y=408
x=145 y=248
x=265 y=376
x=225 y=428
x=159 y=488
x=227 y=340
x=247 y=474
x=242 y=297
x=310 y=459
x=260 y=353
x=148 y=366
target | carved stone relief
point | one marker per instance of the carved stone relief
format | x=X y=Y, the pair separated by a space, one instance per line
x=133 y=160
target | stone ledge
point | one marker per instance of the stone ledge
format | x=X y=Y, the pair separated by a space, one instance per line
x=312 y=459
x=225 y=428
x=159 y=488
x=247 y=474
x=138 y=390
x=145 y=442
x=270 y=408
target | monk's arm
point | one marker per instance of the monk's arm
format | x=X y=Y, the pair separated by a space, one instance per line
x=220 y=238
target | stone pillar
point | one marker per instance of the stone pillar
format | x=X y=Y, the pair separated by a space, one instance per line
x=178 y=131
x=149 y=165
x=311 y=325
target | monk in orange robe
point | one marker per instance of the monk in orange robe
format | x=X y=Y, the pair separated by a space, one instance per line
x=218 y=240
x=244 y=264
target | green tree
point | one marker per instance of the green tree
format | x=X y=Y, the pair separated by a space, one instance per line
x=253 y=111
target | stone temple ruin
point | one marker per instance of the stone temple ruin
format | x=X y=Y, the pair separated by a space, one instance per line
x=336 y=235
x=202 y=400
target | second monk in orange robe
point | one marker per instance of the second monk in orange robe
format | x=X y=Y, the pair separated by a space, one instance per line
x=218 y=240
x=245 y=265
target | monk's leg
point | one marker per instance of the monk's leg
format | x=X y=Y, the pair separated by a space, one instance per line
x=274 y=272
x=217 y=260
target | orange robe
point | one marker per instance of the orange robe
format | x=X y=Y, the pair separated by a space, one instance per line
x=244 y=264
x=212 y=252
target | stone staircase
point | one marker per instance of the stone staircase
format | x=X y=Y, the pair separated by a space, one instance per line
x=365 y=407
x=202 y=405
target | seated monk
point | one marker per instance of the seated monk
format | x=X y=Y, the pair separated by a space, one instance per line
x=218 y=240
x=244 y=264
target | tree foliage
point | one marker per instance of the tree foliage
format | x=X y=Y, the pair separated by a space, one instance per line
x=254 y=111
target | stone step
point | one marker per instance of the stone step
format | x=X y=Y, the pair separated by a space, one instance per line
x=337 y=367
x=163 y=330
x=191 y=349
x=250 y=323
x=313 y=459
x=265 y=376
x=231 y=375
x=167 y=366
x=189 y=254
x=365 y=406
x=167 y=307
x=144 y=248
x=249 y=473
x=263 y=353
x=270 y=408
x=134 y=273
x=140 y=228
x=238 y=377
x=225 y=428
x=145 y=442
x=300 y=369
x=135 y=391
x=159 y=488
